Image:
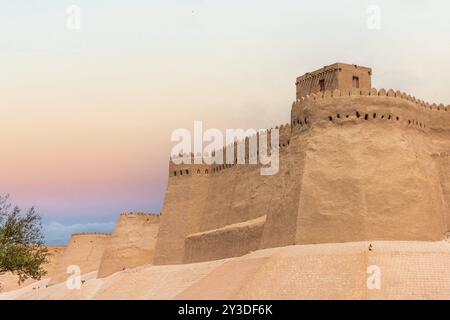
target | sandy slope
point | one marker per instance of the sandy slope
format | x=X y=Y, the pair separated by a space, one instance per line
x=410 y=270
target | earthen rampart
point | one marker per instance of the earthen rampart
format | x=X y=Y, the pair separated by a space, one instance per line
x=132 y=243
x=84 y=251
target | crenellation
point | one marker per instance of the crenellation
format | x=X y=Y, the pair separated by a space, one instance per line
x=365 y=92
x=372 y=93
x=91 y=234
x=140 y=214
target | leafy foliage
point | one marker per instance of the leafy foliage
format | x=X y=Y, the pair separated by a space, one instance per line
x=22 y=249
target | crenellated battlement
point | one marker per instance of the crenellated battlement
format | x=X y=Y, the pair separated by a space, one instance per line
x=372 y=93
x=140 y=214
x=302 y=121
x=348 y=107
x=193 y=169
x=91 y=234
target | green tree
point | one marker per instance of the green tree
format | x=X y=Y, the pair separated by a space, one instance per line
x=22 y=249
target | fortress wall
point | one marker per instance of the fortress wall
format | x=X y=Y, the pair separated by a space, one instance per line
x=370 y=146
x=231 y=241
x=236 y=192
x=199 y=194
x=174 y=217
x=222 y=183
x=285 y=135
x=368 y=175
x=132 y=243
x=284 y=192
x=251 y=192
x=442 y=161
x=205 y=198
x=239 y=194
x=85 y=250
x=251 y=195
x=230 y=194
x=440 y=134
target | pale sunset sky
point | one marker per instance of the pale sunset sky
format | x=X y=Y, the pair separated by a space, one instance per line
x=86 y=115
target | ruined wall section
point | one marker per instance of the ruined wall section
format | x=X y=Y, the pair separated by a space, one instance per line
x=132 y=243
x=85 y=250
x=369 y=173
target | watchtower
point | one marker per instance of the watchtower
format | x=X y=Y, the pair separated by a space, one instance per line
x=340 y=76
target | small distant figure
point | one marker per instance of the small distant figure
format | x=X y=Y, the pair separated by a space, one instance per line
x=370 y=247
